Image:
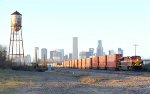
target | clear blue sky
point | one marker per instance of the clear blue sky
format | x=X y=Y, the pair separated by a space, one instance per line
x=51 y=24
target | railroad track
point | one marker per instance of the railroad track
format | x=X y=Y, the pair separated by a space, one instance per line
x=94 y=72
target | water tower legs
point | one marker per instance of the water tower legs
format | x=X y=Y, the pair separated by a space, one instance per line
x=16 y=49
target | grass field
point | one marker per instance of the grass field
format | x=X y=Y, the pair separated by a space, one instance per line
x=10 y=79
x=72 y=81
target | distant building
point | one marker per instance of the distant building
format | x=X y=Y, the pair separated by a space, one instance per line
x=112 y=52
x=99 y=48
x=51 y=54
x=43 y=54
x=70 y=56
x=75 y=48
x=27 y=59
x=120 y=51
x=91 y=51
x=146 y=61
x=17 y=60
x=62 y=53
x=84 y=54
x=57 y=55
x=104 y=53
x=66 y=57
x=36 y=53
x=94 y=54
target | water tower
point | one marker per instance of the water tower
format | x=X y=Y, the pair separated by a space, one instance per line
x=16 y=49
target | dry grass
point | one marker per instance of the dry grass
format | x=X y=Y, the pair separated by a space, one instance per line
x=21 y=76
x=91 y=79
x=10 y=79
x=131 y=81
x=12 y=83
x=83 y=78
x=122 y=83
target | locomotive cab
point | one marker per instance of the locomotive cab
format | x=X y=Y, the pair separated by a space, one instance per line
x=131 y=63
x=137 y=62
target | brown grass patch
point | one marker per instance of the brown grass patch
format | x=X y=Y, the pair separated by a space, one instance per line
x=114 y=81
x=91 y=79
x=12 y=83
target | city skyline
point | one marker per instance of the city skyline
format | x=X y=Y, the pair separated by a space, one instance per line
x=117 y=23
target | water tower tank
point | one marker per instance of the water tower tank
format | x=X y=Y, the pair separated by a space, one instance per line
x=16 y=21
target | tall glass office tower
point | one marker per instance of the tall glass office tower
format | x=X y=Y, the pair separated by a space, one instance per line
x=75 y=48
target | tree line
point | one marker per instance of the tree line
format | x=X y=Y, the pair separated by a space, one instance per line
x=4 y=62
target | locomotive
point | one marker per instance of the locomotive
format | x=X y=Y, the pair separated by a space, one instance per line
x=113 y=61
x=131 y=63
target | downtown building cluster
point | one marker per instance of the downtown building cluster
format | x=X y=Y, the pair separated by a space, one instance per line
x=58 y=54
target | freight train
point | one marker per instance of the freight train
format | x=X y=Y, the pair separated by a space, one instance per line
x=113 y=61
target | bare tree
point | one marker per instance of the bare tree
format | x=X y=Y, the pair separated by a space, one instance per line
x=3 y=54
x=4 y=63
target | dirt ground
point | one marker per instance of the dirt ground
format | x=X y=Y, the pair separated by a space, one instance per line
x=75 y=81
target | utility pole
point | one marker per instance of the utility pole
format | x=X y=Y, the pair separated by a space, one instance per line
x=135 y=45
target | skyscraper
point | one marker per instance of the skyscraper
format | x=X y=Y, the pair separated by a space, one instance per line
x=36 y=54
x=70 y=56
x=51 y=54
x=91 y=51
x=75 y=48
x=43 y=54
x=99 y=48
x=120 y=51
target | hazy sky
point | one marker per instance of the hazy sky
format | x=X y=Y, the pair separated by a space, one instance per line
x=51 y=24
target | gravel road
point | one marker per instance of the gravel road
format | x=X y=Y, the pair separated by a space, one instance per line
x=67 y=81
